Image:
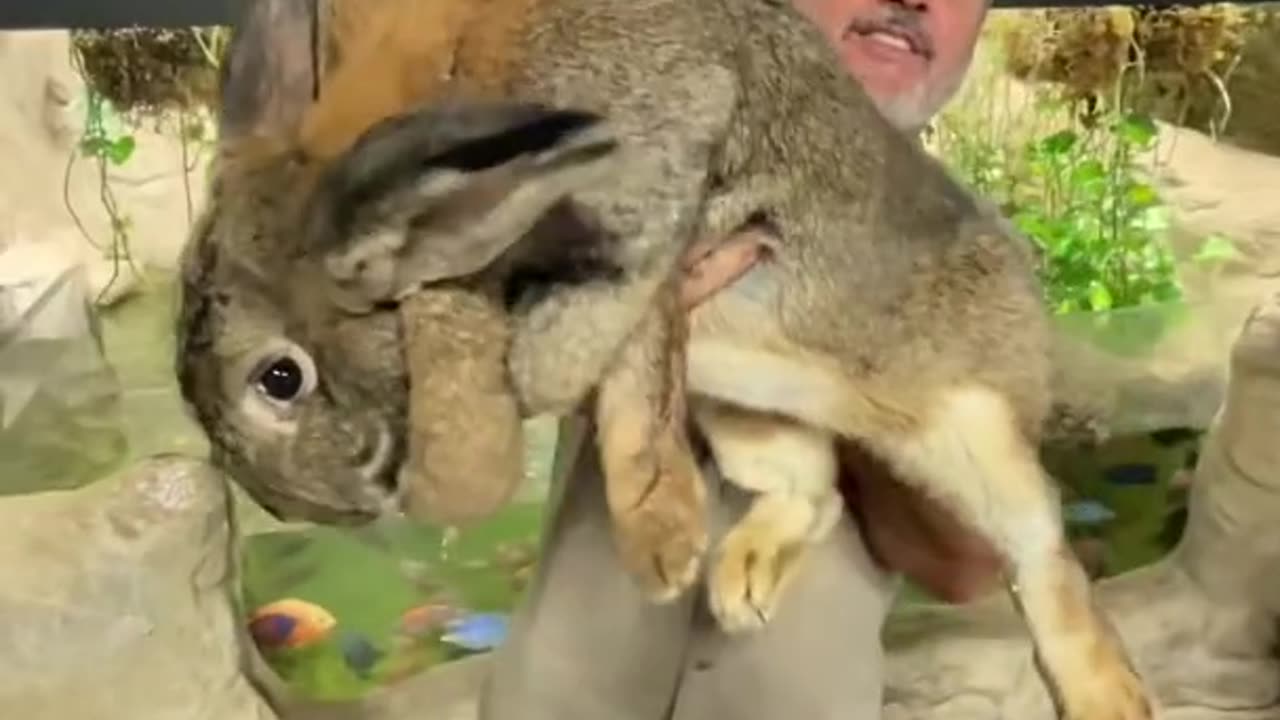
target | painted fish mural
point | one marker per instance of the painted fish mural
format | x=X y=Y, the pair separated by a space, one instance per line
x=476 y=632
x=290 y=623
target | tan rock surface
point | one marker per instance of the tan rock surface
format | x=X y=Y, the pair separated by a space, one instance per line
x=116 y=601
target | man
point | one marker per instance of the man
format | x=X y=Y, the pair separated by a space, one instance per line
x=587 y=645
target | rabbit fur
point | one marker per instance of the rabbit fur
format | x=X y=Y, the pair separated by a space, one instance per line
x=495 y=210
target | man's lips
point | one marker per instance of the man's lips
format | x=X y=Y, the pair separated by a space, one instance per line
x=894 y=41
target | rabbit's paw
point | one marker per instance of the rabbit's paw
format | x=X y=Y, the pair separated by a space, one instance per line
x=662 y=536
x=1108 y=688
x=753 y=569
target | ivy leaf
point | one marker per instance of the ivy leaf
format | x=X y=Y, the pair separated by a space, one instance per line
x=1136 y=129
x=1032 y=224
x=1153 y=219
x=1100 y=297
x=1088 y=173
x=1143 y=195
x=1216 y=248
x=121 y=150
x=1058 y=144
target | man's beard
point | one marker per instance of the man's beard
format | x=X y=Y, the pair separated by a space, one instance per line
x=909 y=111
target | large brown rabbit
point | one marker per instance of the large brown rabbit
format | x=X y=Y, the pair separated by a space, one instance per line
x=896 y=310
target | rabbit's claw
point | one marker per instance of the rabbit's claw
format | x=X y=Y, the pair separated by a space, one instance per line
x=747 y=580
x=661 y=538
x=1108 y=688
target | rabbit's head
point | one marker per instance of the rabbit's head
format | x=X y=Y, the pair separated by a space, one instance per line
x=303 y=404
x=290 y=346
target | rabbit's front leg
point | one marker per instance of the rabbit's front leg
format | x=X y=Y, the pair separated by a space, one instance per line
x=654 y=488
x=793 y=468
x=621 y=335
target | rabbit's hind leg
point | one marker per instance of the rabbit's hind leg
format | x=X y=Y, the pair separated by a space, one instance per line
x=654 y=488
x=969 y=453
x=793 y=468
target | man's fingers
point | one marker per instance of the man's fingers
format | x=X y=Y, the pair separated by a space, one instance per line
x=701 y=249
x=716 y=266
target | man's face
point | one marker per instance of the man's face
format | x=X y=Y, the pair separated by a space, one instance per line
x=910 y=55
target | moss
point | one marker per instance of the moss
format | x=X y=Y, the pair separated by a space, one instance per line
x=1214 y=68
x=1253 y=87
x=1082 y=51
x=1149 y=53
x=149 y=70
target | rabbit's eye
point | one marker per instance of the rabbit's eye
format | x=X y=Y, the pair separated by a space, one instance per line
x=282 y=380
x=276 y=384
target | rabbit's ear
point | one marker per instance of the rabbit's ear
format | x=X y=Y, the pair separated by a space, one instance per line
x=442 y=193
x=269 y=75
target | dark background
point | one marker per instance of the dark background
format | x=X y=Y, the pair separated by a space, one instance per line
x=21 y=14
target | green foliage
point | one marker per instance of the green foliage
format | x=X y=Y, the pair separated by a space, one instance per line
x=1095 y=220
x=104 y=137
x=1078 y=193
x=105 y=141
x=1217 y=248
x=1077 y=188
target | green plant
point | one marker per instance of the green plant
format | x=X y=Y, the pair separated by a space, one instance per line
x=106 y=141
x=1075 y=186
x=1096 y=220
x=1072 y=175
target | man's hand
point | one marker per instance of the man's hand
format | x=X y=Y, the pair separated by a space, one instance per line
x=715 y=263
x=905 y=531
x=908 y=532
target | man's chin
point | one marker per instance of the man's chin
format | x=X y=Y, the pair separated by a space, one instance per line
x=900 y=97
x=908 y=114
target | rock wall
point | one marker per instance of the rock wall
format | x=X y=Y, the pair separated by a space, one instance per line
x=1254 y=88
x=42 y=112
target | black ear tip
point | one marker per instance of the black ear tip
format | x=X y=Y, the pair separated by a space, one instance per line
x=547 y=127
x=570 y=121
x=533 y=131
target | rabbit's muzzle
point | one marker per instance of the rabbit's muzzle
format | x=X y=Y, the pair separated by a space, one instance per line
x=344 y=483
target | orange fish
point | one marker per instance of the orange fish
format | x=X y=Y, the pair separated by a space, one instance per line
x=424 y=619
x=290 y=623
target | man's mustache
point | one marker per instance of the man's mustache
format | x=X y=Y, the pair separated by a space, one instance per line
x=898 y=22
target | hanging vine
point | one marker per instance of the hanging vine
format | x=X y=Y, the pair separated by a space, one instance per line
x=104 y=148
x=130 y=74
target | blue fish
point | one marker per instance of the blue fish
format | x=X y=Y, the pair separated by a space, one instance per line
x=1087 y=512
x=476 y=631
x=359 y=654
x=1131 y=474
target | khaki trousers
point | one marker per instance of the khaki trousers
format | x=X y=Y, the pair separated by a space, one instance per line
x=586 y=644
